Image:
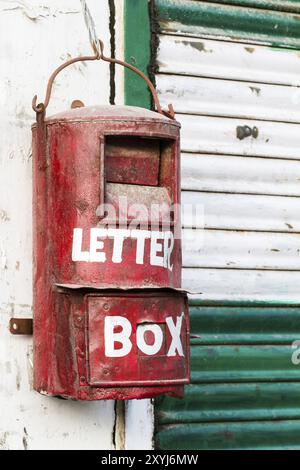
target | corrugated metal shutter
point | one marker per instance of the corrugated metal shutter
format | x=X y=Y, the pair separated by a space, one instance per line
x=225 y=65
x=245 y=389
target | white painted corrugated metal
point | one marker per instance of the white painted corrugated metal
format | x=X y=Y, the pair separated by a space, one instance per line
x=240 y=174
x=246 y=191
x=226 y=211
x=211 y=97
x=209 y=134
x=201 y=57
x=241 y=250
x=239 y=284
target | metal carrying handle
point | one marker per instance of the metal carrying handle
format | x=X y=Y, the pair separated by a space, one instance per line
x=99 y=55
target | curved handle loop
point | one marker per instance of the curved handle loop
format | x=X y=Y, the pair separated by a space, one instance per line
x=99 y=55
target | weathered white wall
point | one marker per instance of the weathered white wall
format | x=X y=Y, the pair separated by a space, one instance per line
x=139 y=425
x=35 y=37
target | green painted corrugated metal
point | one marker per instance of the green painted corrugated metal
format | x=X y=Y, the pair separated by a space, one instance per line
x=233 y=402
x=245 y=389
x=281 y=5
x=260 y=324
x=259 y=435
x=280 y=27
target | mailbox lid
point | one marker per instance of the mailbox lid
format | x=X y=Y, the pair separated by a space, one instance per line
x=117 y=324
x=103 y=113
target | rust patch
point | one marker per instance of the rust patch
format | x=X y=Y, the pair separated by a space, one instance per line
x=21 y=326
x=118 y=437
x=255 y=89
x=24 y=440
x=18 y=376
x=77 y=104
x=4 y=216
x=3 y=441
x=81 y=205
x=228 y=436
x=200 y=46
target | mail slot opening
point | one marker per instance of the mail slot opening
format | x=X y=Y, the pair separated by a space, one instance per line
x=132 y=160
x=140 y=169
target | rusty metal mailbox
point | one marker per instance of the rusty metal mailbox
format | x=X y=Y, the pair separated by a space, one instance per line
x=110 y=319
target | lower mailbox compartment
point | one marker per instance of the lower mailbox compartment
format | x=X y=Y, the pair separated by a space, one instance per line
x=137 y=339
x=113 y=344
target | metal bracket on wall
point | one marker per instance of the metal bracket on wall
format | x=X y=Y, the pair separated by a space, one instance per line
x=21 y=326
x=246 y=131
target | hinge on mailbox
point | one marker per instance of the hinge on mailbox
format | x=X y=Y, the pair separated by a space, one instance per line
x=21 y=326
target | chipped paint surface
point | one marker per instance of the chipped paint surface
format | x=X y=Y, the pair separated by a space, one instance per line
x=278 y=27
x=36 y=10
x=139 y=425
x=27 y=57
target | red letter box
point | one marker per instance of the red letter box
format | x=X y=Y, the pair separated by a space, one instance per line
x=110 y=319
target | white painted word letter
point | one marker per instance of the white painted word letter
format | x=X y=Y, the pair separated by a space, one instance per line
x=96 y=245
x=77 y=254
x=101 y=250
